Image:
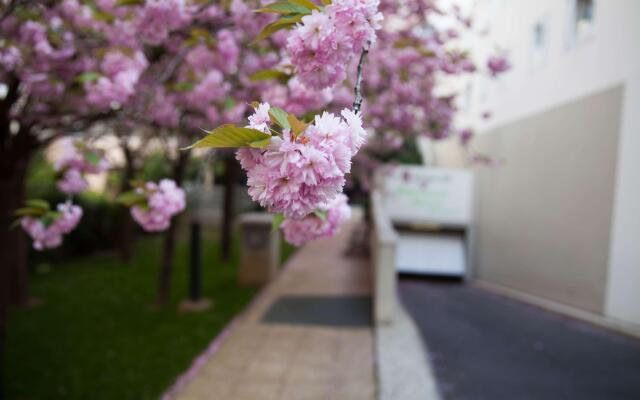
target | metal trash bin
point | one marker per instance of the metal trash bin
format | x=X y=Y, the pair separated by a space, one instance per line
x=259 y=249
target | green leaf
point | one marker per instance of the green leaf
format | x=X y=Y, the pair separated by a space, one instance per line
x=137 y=183
x=131 y=198
x=38 y=203
x=86 y=77
x=326 y=2
x=200 y=32
x=230 y=136
x=426 y=53
x=103 y=16
x=121 y=3
x=278 y=219
x=320 y=214
x=279 y=117
x=29 y=212
x=297 y=126
x=267 y=74
x=306 y=3
x=92 y=157
x=200 y=35
x=183 y=86
x=191 y=42
x=282 y=23
x=229 y=103
x=48 y=218
x=260 y=144
x=284 y=7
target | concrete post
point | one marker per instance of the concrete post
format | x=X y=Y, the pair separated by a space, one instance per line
x=259 y=249
x=383 y=244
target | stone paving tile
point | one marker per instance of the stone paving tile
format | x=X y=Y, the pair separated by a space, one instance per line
x=261 y=361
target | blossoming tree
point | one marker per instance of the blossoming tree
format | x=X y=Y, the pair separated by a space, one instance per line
x=296 y=168
x=413 y=55
x=169 y=65
x=176 y=66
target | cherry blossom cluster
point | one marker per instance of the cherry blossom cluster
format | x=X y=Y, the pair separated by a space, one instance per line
x=404 y=99
x=77 y=59
x=402 y=75
x=326 y=41
x=324 y=223
x=297 y=98
x=159 y=17
x=77 y=159
x=47 y=231
x=498 y=65
x=298 y=173
x=160 y=203
x=120 y=74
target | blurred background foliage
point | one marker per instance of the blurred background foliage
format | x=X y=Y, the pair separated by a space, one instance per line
x=94 y=329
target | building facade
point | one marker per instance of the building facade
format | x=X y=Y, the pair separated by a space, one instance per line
x=560 y=218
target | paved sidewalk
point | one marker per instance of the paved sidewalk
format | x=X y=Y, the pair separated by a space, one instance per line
x=296 y=359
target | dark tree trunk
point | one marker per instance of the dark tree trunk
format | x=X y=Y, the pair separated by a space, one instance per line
x=13 y=265
x=169 y=242
x=230 y=174
x=15 y=153
x=13 y=250
x=127 y=226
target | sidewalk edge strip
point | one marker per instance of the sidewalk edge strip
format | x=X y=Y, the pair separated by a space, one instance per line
x=403 y=367
x=618 y=326
x=200 y=360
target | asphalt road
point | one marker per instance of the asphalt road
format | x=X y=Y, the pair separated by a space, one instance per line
x=485 y=346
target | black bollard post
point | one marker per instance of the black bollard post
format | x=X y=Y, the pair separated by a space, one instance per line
x=195 y=282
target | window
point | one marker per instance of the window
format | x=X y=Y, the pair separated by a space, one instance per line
x=468 y=93
x=539 y=43
x=581 y=21
x=584 y=15
x=539 y=35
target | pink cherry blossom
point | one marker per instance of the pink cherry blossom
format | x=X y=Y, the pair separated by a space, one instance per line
x=325 y=42
x=70 y=217
x=163 y=201
x=326 y=223
x=72 y=182
x=10 y=58
x=212 y=87
x=260 y=119
x=75 y=159
x=465 y=136
x=296 y=174
x=498 y=65
x=120 y=77
x=48 y=234
x=164 y=109
x=159 y=17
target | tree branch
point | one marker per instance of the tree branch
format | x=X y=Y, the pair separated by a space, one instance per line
x=357 y=103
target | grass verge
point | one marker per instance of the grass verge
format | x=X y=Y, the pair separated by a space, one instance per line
x=96 y=336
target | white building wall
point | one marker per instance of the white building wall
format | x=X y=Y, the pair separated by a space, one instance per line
x=565 y=69
x=569 y=68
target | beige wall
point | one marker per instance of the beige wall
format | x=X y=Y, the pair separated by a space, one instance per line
x=623 y=294
x=544 y=218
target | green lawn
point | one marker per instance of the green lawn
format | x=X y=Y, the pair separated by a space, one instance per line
x=95 y=335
